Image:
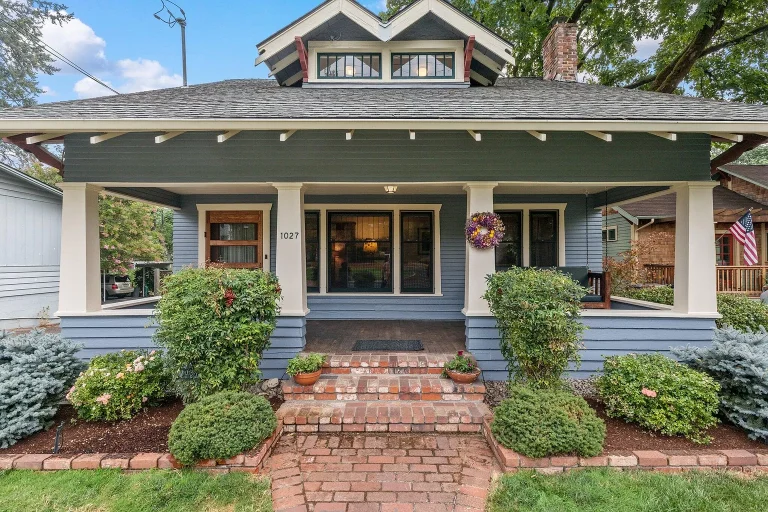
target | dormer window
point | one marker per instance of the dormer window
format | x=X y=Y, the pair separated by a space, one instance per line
x=422 y=65
x=349 y=65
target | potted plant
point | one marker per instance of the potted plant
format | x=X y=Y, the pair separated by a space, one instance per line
x=306 y=368
x=462 y=369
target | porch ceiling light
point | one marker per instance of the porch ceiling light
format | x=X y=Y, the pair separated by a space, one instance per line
x=390 y=189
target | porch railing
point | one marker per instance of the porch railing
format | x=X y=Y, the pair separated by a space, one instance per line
x=730 y=279
x=744 y=280
x=660 y=274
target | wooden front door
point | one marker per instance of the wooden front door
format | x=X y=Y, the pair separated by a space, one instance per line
x=724 y=250
x=234 y=239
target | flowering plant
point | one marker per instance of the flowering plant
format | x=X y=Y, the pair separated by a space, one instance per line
x=116 y=386
x=484 y=230
x=461 y=363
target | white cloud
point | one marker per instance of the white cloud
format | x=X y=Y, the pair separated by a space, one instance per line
x=646 y=47
x=47 y=91
x=79 y=43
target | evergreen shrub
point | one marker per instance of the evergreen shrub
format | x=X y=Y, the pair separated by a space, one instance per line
x=35 y=371
x=738 y=361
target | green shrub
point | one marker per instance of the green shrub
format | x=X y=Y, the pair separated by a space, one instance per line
x=215 y=324
x=659 y=394
x=657 y=294
x=305 y=363
x=116 y=386
x=537 y=312
x=741 y=312
x=544 y=422
x=738 y=361
x=35 y=371
x=220 y=426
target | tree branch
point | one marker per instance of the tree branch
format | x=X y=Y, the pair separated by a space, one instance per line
x=751 y=141
x=736 y=40
x=550 y=6
x=641 y=82
x=579 y=10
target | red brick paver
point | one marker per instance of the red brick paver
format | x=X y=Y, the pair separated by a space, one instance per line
x=350 y=472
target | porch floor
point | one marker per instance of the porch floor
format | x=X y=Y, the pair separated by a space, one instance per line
x=338 y=336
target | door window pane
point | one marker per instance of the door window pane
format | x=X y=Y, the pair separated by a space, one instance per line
x=417 y=247
x=312 y=246
x=724 y=250
x=359 y=252
x=544 y=238
x=509 y=253
x=228 y=254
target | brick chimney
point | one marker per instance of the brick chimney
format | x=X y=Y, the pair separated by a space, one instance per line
x=559 y=52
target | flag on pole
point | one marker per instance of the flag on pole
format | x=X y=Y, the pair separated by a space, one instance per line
x=744 y=231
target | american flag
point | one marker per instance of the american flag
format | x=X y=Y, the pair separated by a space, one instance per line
x=744 y=232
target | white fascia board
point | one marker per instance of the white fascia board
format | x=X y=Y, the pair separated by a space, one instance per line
x=543 y=125
x=631 y=218
x=283 y=63
x=324 y=14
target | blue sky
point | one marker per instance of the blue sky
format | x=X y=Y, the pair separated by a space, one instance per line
x=124 y=45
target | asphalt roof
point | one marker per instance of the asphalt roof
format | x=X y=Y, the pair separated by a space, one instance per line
x=509 y=99
x=661 y=207
x=757 y=174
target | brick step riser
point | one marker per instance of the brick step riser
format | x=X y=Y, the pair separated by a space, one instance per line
x=455 y=397
x=361 y=370
x=384 y=427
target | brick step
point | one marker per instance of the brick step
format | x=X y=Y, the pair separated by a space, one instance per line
x=353 y=387
x=399 y=363
x=394 y=416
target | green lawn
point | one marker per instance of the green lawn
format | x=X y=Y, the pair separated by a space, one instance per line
x=111 y=490
x=635 y=491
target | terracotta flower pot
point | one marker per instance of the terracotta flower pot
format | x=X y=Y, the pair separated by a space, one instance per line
x=307 y=379
x=463 y=378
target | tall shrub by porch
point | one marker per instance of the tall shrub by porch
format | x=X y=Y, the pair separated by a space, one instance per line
x=537 y=313
x=215 y=323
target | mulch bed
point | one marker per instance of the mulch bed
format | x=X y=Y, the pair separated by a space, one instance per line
x=626 y=437
x=145 y=432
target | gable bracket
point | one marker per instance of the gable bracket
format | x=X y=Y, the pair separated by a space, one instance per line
x=468 y=57
x=37 y=150
x=303 y=60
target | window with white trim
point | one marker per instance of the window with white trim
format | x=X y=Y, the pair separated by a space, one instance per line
x=533 y=236
x=610 y=234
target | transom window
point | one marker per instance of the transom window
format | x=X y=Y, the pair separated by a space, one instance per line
x=422 y=65
x=349 y=65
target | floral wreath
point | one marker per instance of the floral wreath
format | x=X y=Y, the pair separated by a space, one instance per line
x=484 y=230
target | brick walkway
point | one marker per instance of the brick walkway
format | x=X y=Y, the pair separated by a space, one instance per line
x=369 y=473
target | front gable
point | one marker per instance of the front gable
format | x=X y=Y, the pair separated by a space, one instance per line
x=427 y=24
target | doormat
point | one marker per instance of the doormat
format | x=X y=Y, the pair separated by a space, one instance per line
x=387 y=346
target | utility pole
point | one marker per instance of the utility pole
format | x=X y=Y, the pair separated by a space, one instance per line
x=173 y=20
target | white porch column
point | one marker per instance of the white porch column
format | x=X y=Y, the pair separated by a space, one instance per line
x=290 y=261
x=695 y=281
x=79 y=284
x=478 y=263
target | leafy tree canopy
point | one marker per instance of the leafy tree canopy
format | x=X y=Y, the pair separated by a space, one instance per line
x=128 y=233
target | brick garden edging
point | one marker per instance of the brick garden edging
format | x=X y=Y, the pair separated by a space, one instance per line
x=251 y=463
x=731 y=460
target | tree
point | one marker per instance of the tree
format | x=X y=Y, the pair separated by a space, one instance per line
x=47 y=175
x=128 y=233
x=707 y=48
x=23 y=57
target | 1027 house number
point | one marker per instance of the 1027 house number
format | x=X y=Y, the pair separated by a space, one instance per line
x=289 y=235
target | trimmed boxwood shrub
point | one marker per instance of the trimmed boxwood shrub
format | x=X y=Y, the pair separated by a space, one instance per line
x=35 y=371
x=537 y=313
x=741 y=312
x=220 y=426
x=659 y=394
x=738 y=361
x=544 y=422
x=116 y=386
x=215 y=323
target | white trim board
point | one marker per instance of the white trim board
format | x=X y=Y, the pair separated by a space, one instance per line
x=526 y=228
x=265 y=208
x=396 y=209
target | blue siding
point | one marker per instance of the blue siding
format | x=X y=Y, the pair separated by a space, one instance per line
x=102 y=334
x=605 y=336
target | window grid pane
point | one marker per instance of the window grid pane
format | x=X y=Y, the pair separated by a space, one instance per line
x=417 y=250
x=312 y=247
x=359 y=252
x=422 y=65
x=509 y=253
x=349 y=65
x=544 y=238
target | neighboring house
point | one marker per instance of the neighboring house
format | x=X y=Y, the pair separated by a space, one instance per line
x=352 y=171
x=649 y=218
x=617 y=234
x=30 y=240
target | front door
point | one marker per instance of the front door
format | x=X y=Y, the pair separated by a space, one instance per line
x=234 y=239
x=724 y=250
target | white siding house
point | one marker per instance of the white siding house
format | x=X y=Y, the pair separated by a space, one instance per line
x=30 y=240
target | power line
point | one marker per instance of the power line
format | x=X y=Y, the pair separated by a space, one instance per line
x=52 y=51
